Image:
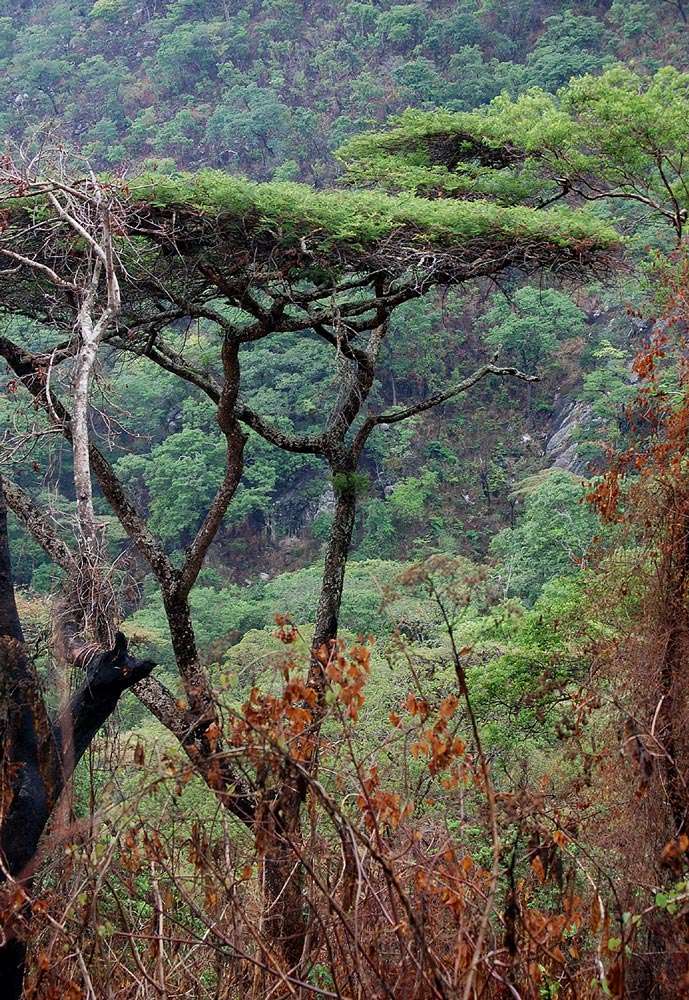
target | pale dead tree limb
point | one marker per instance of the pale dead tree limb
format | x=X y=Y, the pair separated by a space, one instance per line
x=156 y=697
x=90 y=211
x=150 y=691
x=43 y=269
x=91 y=331
x=27 y=367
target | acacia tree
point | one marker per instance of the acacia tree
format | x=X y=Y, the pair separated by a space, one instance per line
x=254 y=261
x=618 y=138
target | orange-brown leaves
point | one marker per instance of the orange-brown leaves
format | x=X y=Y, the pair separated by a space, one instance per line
x=379 y=808
x=272 y=725
x=286 y=632
x=275 y=726
x=417 y=706
x=348 y=675
x=675 y=850
x=436 y=743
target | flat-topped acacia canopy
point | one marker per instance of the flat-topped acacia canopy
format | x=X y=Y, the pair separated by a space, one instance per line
x=617 y=137
x=190 y=237
x=104 y=262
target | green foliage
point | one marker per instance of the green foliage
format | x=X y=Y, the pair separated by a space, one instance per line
x=403 y=157
x=381 y=535
x=374 y=603
x=528 y=327
x=185 y=54
x=112 y=10
x=217 y=613
x=571 y=45
x=529 y=658
x=178 y=480
x=350 y=483
x=633 y=19
x=253 y=124
x=364 y=603
x=553 y=535
x=272 y=80
x=608 y=388
x=408 y=498
x=31 y=565
x=362 y=218
x=402 y=25
x=616 y=136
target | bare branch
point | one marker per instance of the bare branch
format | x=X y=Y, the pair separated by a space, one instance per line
x=307 y=444
x=26 y=367
x=404 y=413
x=35 y=265
x=229 y=425
x=35 y=522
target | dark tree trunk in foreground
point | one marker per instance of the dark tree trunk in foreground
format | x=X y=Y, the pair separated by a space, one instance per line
x=285 y=922
x=38 y=754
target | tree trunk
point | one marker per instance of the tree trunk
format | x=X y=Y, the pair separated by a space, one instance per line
x=327 y=615
x=178 y=614
x=674 y=690
x=38 y=755
x=13 y=951
x=83 y=376
x=285 y=920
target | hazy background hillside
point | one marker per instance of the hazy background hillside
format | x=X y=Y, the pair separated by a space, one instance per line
x=271 y=89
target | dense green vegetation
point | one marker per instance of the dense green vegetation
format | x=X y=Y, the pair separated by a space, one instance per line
x=484 y=182
x=273 y=87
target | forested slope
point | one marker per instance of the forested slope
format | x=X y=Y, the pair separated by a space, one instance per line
x=371 y=481
x=270 y=87
x=271 y=90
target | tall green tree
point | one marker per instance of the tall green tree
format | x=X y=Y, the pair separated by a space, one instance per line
x=254 y=262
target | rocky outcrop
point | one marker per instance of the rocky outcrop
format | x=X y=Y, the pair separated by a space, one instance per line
x=561 y=449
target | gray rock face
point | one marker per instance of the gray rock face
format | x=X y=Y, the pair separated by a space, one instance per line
x=326 y=502
x=561 y=448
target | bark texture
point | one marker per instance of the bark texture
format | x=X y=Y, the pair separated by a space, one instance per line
x=38 y=754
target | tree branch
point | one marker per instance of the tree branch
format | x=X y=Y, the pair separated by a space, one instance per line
x=25 y=366
x=34 y=520
x=234 y=466
x=404 y=413
x=307 y=444
x=35 y=265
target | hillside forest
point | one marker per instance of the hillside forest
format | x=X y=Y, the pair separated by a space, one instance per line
x=344 y=500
